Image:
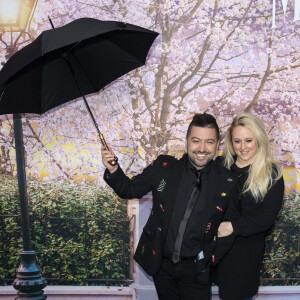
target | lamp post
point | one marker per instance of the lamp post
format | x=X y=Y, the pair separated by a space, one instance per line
x=15 y=17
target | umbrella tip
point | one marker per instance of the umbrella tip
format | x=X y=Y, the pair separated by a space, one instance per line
x=51 y=22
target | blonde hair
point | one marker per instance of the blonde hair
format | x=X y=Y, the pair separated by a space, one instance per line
x=264 y=171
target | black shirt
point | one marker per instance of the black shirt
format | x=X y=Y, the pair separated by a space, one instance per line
x=192 y=238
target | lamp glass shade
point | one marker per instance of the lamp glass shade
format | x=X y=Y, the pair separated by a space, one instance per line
x=15 y=14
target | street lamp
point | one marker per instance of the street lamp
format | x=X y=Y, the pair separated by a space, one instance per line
x=15 y=17
x=11 y=11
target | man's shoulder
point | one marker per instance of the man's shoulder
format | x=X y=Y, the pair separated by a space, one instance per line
x=220 y=160
x=165 y=160
x=221 y=169
x=167 y=157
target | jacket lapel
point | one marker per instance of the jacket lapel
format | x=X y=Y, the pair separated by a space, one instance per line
x=174 y=175
x=210 y=195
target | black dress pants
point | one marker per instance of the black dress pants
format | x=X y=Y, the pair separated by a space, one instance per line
x=178 y=282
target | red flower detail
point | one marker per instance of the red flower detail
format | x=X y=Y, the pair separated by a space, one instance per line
x=219 y=208
x=162 y=208
x=208 y=226
x=164 y=164
x=153 y=252
x=213 y=259
x=152 y=163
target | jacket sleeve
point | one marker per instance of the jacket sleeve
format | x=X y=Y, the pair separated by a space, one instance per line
x=233 y=212
x=224 y=244
x=265 y=214
x=136 y=187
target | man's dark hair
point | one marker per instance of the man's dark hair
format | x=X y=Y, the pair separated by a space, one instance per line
x=204 y=120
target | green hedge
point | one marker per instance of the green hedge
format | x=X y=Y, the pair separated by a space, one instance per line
x=80 y=232
x=282 y=253
x=80 y=238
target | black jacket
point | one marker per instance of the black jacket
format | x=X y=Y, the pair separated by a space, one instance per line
x=238 y=273
x=162 y=177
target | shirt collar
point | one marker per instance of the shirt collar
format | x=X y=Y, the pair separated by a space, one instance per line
x=190 y=167
x=237 y=169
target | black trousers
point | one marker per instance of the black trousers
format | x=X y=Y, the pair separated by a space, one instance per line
x=177 y=282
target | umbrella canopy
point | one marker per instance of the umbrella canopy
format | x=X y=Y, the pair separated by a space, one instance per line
x=41 y=76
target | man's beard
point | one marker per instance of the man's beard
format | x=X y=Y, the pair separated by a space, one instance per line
x=201 y=166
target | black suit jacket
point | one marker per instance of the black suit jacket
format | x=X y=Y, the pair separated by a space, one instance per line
x=162 y=177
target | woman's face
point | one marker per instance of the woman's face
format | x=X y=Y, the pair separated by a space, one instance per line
x=244 y=145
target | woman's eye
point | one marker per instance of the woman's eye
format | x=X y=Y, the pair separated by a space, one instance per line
x=248 y=141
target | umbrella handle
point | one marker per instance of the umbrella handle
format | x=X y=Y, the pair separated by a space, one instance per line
x=102 y=139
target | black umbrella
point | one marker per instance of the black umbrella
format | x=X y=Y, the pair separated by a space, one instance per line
x=60 y=65
x=71 y=61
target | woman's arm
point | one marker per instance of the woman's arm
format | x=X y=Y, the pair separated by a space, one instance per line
x=265 y=214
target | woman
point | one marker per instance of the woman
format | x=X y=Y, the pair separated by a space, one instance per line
x=247 y=153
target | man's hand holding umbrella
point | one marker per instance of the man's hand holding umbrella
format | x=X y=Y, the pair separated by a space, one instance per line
x=107 y=157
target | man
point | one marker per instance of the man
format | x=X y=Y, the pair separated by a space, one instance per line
x=189 y=200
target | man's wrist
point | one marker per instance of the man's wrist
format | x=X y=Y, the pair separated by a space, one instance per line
x=109 y=174
x=113 y=170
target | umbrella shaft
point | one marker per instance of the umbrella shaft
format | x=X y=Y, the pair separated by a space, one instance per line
x=113 y=162
x=65 y=56
x=101 y=137
x=91 y=114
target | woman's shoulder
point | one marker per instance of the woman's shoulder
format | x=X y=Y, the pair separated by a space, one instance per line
x=276 y=184
x=276 y=170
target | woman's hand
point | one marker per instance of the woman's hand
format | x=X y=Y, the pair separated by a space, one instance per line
x=178 y=155
x=225 y=229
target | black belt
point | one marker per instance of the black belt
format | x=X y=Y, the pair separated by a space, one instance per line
x=193 y=258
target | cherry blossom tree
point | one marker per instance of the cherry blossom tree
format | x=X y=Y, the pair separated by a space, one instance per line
x=216 y=56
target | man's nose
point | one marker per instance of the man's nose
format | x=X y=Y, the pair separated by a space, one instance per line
x=201 y=147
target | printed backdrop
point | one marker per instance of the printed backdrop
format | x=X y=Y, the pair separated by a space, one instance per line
x=217 y=56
